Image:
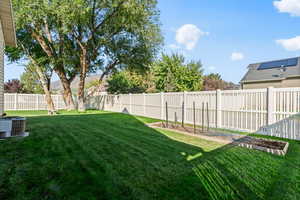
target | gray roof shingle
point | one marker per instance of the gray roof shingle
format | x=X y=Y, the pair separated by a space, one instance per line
x=255 y=75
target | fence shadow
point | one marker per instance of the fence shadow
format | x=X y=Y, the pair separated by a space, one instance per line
x=115 y=156
x=286 y=128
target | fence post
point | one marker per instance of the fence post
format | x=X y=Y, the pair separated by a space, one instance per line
x=130 y=103
x=36 y=102
x=185 y=105
x=57 y=103
x=16 y=101
x=120 y=103
x=162 y=106
x=270 y=105
x=144 y=103
x=219 y=109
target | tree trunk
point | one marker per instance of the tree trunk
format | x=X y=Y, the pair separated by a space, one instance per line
x=45 y=84
x=50 y=104
x=58 y=69
x=83 y=72
x=67 y=94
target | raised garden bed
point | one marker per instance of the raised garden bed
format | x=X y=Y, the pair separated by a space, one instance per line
x=270 y=146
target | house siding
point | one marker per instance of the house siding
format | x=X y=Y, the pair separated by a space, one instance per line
x=8 y=28
x=257 y=85
x=293 y=82
x=1 y=71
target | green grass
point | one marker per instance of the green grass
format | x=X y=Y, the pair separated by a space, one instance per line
x=100 y=155
x=29 y=113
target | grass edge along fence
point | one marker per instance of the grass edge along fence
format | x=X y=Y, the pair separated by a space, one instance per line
x=252 y=110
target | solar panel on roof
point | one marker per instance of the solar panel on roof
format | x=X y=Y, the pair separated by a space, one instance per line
x=292 y=62
x=280 y=63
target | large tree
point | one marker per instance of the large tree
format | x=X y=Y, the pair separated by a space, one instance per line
x=111 y=34
x=41 y=21
x=83 y=36
x=172 y=74
x=28 y=50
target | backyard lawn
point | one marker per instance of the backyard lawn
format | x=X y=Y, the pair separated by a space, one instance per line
x=101 y=155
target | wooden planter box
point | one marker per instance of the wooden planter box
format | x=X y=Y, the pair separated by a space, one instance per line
x=267 y=145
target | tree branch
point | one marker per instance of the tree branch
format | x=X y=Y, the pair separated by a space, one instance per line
x=47 y=31
x=108 y=69
x=43 y=44
x=104 y=20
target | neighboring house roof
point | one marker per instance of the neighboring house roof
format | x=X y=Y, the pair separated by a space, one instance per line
x=6 y=18
x=273 y=70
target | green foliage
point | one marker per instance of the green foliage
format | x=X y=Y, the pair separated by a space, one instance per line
x=125 y=82
x=168 y=74
x=13 y=86
x=117 y=33
x=43 y=18
x=92 y=84
x=30 y=81
x=172 y=74
x=214 y=76
x=214 y=81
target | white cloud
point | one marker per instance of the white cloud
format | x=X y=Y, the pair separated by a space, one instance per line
x=288 y=6
x=292 y=44
x=235 y=56
x=189 y=35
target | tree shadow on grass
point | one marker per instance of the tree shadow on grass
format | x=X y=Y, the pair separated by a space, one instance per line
x=115 y=156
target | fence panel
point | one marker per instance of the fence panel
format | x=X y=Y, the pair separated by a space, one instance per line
x=175 y=106
x=125 y=103
x=262 y=110
x=31 y=102
x=10 y=102
x=153 y=106
x=286 y=128
x=244 y=109
x=137 y=104
x=201 y=100
x=287 y=102
x=112 y=103
x=96 y=102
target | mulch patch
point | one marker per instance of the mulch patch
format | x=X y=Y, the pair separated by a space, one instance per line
x=178 y=127
x=270 y=146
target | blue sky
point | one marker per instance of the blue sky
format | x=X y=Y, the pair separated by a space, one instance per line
x=226 y=35
x=247 y=28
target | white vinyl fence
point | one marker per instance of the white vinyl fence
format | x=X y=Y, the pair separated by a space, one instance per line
x=31 y=102
x=244 y=110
